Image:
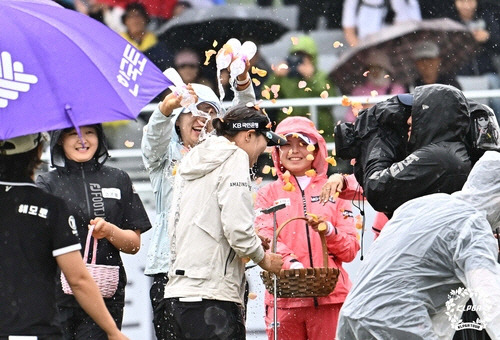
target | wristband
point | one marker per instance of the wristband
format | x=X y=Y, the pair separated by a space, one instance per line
x=330 y=229
x=243 y=82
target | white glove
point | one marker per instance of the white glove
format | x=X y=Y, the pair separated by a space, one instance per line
x=296 y=265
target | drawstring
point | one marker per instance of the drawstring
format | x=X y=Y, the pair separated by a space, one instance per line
x=361 y=209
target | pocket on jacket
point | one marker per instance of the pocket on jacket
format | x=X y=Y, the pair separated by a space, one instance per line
x=194 y=272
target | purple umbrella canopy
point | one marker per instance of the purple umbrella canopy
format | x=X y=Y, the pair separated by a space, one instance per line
x=60 y=68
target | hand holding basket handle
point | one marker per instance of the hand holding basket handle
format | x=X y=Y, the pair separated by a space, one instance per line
x=304 y=282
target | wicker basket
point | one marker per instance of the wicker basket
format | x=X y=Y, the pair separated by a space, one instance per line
x=106 y=277
x=303 y=282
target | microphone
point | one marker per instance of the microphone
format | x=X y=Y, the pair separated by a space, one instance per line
x=274 y=208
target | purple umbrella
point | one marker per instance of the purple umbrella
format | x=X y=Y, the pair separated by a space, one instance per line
x=60 y=68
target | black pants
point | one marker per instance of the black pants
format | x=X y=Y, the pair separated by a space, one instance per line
x=156 y=294
x=207 y=319
x=78 y=325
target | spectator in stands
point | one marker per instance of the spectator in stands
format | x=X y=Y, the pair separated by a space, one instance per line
x=427 y=64
x=378 y=79
x=485 y=28
x=301 y=65
x=361 y=18
x=136 y=20
x=187 y=63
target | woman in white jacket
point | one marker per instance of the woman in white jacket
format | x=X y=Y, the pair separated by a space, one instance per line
x=212 y=230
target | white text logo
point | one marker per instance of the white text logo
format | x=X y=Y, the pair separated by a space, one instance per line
x=13 y=79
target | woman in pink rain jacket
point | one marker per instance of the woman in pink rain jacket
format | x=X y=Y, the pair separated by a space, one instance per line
x=299 y=183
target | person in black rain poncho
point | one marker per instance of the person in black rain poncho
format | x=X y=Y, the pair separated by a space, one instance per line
x=96 y=195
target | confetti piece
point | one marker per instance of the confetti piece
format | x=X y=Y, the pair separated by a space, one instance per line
x=256 y=81
x=273 y=101
x=359 y=222
x=357 y=105
x=337 y=44
x=311 y=147
x=245 y=260
x=308 y=114
x=321 y=132
x=266 y=169
x=286 y=176
x=310 y=157
x=310 y=173
x=334 y=153
x=327 y=86
x=386 y=76
x=273 y=171
x=288 y=110
x=250 y=104
x=358 y=237
x=336 y=195
x=214 y=44
x=275 y=88
x=252 y=296
x=289 y=187
x=374 y=93
x=365 y=74
x=258 y=180
x=322 y=226
x=295 y=40
x=208 y=55
x=174 y=170
x=307 y=89
x=346 y=101
x=331 y=161
x=353 y=161
x=302 y=84
x=258 y=71
x=266 y=94
x=324 y=94
x=269 y=125
x=129 y=143
x=313 y=216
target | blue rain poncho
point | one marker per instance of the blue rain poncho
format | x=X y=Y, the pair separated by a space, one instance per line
x=431 y=247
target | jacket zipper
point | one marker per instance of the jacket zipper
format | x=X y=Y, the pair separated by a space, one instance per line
x=84 y=181
x=304 y=207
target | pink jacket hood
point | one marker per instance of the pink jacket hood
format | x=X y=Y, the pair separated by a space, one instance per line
x=305 y=126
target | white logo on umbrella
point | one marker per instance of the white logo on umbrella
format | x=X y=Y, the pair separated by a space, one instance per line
x=13 y=79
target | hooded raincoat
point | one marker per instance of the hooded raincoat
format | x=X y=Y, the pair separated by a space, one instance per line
x=298 y=240
x=432 y=246
x=161 y=150
x=211 y=224
x=437 y=157
x=92 y=189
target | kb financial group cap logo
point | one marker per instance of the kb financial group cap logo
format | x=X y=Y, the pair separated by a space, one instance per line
x=13 y=79
x=455 y=308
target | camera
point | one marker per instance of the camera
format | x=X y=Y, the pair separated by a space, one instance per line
x=293 y=61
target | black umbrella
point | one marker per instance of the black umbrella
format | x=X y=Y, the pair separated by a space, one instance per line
x=397 y=42
x=198 y=28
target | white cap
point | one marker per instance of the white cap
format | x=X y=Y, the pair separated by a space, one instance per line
x=21 y=144
x=305 y=138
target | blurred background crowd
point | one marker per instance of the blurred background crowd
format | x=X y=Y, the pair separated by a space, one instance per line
x=344 y=47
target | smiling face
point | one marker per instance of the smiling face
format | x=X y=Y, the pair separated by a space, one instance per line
x=191 y=126
x=73 y=147
x=294 y=156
